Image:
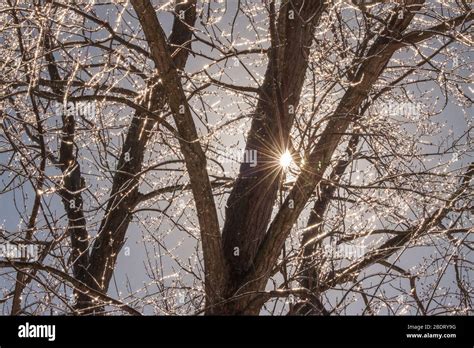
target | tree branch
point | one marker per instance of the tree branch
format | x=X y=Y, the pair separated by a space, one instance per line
x=190 y=147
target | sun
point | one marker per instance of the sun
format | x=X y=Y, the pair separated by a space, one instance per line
x=286 y=159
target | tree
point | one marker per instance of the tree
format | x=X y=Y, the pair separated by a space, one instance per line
x=357 y=187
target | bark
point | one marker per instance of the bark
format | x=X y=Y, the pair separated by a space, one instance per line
x=312 y=172
x=254 y=194
x=239 y=264
x=124 y=193
x=71 y=186
x=194 y=156
x=308 y=269
x=73 y=182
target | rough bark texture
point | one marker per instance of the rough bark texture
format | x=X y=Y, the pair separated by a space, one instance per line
x=124 y=191
x=239 y=264
x=312 y=172
x=194 y=156
x=73 y=182
x=252 y=199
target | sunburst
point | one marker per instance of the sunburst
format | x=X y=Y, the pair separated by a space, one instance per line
x=286 y=159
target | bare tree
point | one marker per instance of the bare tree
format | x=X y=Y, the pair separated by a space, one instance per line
x=283 y=157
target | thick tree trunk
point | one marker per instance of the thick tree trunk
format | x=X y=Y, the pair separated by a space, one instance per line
x=248 y=285
x=254 y=194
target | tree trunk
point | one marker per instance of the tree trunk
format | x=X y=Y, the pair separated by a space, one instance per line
x=254 y=194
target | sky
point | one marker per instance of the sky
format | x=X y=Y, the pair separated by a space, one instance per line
x=131 y=272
